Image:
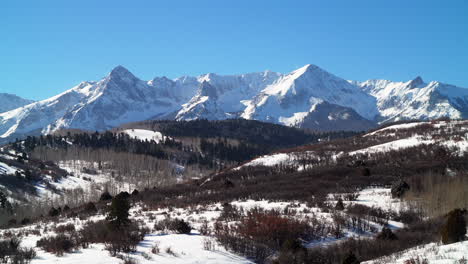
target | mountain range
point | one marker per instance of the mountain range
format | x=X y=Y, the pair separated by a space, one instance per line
x=308 y=97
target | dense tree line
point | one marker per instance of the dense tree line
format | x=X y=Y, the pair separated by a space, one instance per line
x=107 y=140
x=222 y=149
x=250 y=131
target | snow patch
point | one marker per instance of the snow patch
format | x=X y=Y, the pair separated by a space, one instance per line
x=143 y=134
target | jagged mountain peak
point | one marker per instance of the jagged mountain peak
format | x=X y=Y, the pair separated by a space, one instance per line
x=416 y=82
x=161 y=81
x=207 y=77
x=118 y=70
x=320 y=77
x=120 y=82
x=312 y=69
x=206 y=89
x=308 y=68
x=121 y=73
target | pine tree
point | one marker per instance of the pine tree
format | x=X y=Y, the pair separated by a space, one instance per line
x=339 y=205
x=454 y=229
x=105 y=196
x=351 y=259
x=399 y=188
x=386 y=234
x=53 y=212
x=4 y=203
x=118 y=213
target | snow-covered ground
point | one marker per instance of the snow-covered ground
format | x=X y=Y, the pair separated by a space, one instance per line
x=271 y=160
x=143 y=134
x=5 y=169
x=432 y=253
x=397 y=127
x=376 y=198
x=394 y=145
x=379 y=198
x=190 y=248
x=186 y=249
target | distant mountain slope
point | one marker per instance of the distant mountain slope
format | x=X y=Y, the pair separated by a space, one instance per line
x=308 y=97
x=221 y=97
x=416 y=99
x=118 y=98
x=332 y=117
x=10 y=101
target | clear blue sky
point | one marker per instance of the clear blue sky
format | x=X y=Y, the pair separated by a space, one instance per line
x=47 y=47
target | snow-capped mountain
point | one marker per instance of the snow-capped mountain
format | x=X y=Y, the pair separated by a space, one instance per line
x=221 y=97
x=294 y=97
x=416 y=99
x=118 y=98
x=121 y=98
x=308 y=97
x=10 y=101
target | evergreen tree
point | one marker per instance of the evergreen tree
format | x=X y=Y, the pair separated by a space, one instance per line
x=118 y=213
x=386 y=234
x=53 y=212
x=454 y=229
x=339 y=205
x=351 y=259
x=90 y=208
x=4 y=203
x=399 y=188
x=105 y=196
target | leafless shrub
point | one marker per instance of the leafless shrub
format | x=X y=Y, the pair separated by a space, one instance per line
x=156 y=249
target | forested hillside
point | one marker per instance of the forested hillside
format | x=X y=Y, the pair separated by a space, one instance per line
x=80 y=164
x=269 y=135
x=342 y=200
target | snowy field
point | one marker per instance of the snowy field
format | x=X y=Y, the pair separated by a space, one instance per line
x=5 y=169
x=379 y=198
x=143 y=134
x=186 y=249
x=192 y=248
x=433 y=253
x=182 y=248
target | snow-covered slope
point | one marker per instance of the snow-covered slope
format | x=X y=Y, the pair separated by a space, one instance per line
x=195 y=247
x=293 y=97
x=450 y=134
x=118 y=98
x=35 y=117
x=222 y=97
x=10 y=101
x=416 y=99
x=143 y=134
x=433 y=253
